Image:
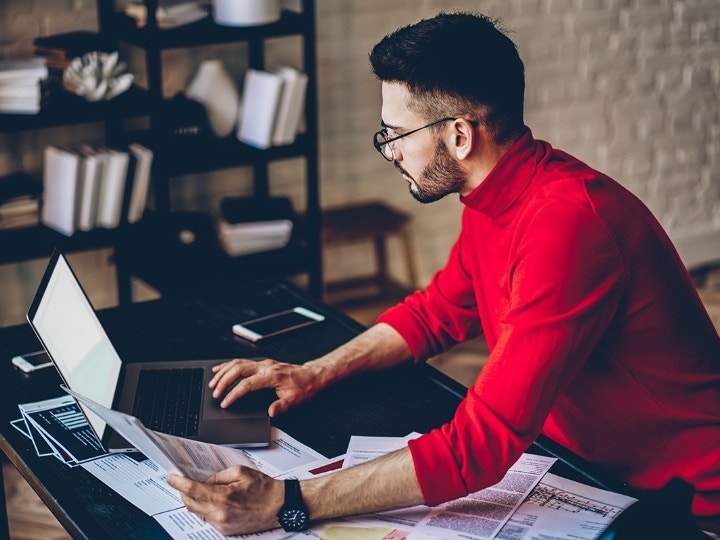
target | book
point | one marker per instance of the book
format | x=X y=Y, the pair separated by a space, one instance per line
x=20 y=104
x=12 y=69
x=19 y=185
x=290 y=107
x=23 y=89
x=60 y=179
x=69 y=45
x=140 y=181
x=90 y=175
x=260 y=99
x=112 y=188
x=250 y=209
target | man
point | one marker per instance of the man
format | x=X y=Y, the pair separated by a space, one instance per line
x=597 y=337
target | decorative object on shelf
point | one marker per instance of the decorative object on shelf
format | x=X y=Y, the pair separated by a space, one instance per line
x=245 y=12
x=167 y=17
x=215 y=89
x=97 y=76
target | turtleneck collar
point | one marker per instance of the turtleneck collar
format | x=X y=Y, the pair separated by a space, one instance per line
x=508 y=179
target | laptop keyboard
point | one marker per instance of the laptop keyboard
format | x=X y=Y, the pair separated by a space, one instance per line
x=169 y=400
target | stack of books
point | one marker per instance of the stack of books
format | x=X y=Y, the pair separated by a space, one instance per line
x=272 y=106
x=58 y=50
x=249 y=225
x=20 y=85
x=19 y=201
x=85 y=188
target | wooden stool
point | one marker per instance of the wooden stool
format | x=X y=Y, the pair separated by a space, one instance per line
x=371 y=221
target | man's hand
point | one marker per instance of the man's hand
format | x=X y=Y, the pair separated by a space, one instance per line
x=234 y=501
x=292 y=383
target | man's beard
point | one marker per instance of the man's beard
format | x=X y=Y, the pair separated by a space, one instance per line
x=441 y=177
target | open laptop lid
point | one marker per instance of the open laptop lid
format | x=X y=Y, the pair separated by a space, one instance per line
x=64 y=321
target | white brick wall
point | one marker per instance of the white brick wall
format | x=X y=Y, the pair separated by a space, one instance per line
x=630 y=86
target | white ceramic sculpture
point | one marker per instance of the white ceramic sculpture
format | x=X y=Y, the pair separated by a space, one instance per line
x=97 y=76
x=215 y=89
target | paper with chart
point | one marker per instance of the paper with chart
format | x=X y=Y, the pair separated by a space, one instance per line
x=562 y=509
x=478 y=516
x=58 y=427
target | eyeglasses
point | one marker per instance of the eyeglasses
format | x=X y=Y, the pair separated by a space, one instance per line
x=381 y=141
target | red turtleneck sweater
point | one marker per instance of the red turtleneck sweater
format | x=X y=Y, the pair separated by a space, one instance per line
x=596 y=334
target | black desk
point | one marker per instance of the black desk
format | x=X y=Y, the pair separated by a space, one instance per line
x=197 y=325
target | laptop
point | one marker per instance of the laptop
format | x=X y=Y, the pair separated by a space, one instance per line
x=68 y=328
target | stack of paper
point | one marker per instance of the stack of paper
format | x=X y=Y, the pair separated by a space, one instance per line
x=249 y=225
x=20 y=89
x=246 y=238
x=58 y=50
x=58 y=428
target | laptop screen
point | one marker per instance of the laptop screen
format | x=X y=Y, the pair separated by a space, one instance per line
x=70 y=331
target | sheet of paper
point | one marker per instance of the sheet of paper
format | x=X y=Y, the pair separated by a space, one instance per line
x=284 y=454
x=140 y=482
x=362 y=448
x=58 y=427
x=194 y=459
x=482 y=514
x=478 y=516
x=562 y=509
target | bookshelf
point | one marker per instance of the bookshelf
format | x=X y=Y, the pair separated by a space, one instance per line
x=19 y=245
x=145 y=253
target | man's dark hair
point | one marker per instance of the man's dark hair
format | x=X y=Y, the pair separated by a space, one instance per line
x=457 y=64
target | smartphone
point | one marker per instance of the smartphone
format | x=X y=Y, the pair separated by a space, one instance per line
x=277 y=323
x=32 y=361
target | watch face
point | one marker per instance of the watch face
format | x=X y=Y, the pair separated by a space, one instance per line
x=293 y=519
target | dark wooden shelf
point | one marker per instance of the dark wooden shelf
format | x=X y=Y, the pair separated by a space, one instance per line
x=67 y=109
x=176 y=156
x=39 y=242
x=179 y=251
x=205 y=32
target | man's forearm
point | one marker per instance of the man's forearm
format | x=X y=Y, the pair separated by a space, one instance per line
x=385 y=483
x=379 y=347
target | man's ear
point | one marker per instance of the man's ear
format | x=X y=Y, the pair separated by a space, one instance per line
x=465 y=138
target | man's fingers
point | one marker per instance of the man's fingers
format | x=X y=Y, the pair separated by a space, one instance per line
x=226 y=374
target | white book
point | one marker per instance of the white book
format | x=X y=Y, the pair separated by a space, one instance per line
x=261 y=95
x=60 y=179
x=23 y=68
x=26 y=104
x=112 y=188
x=291 y=105
x=140 y=181
x=91 y=171
x=25 y=90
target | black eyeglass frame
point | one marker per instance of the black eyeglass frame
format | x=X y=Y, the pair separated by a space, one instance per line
x=383 y=134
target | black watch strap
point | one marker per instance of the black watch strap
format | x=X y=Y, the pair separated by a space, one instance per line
x=294 y=514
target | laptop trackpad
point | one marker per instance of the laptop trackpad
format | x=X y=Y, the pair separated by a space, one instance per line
x=254 y=404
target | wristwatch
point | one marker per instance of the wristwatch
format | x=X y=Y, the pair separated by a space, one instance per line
x=293 y=515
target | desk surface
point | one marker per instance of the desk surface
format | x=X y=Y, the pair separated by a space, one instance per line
x=197 y=325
